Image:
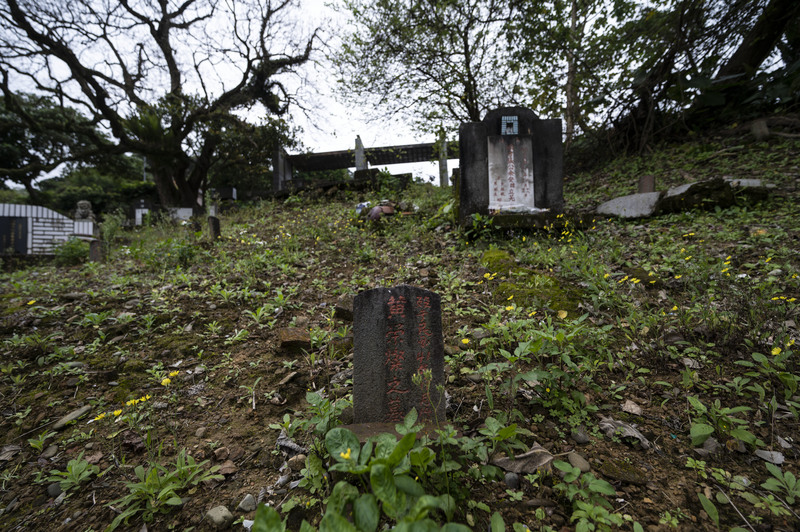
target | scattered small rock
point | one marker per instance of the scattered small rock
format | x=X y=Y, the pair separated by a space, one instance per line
x=54 y=490
x=221 y=453
x=220 y=517
x=297 y=462
x=623 y=471
x=632 y=408
x=579 y=461
x=512 y=480
x=294 y=339
x=72 y=416
x=773 y=457
x=228 y=468
x=343 y=310
x=49 y=452
x=579 y=436
x=200 y=432
x=248 y=504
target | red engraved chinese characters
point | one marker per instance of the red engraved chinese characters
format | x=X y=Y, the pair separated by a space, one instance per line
x=425 y=347
x=395 y=358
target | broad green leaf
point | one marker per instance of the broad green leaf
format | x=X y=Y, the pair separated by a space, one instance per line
x=408 y=485
x=455 y=527
x=333 y=522
x=601 y=486
x=342 y=494
x=342 y=445
x=448 y=505
x=745 y=435
x=424 y=504
x=497 y=523
x=382 y=482
x=709 y=507
x=366 y=452
x=267 y=519
x=700 y=433
x=405 y=444
x=695 y=402
x=366 y=513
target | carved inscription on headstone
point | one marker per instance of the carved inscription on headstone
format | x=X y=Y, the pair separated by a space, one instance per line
x=510 y=173
x=397 y=334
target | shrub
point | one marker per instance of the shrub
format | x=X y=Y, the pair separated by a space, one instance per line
x=72 y=252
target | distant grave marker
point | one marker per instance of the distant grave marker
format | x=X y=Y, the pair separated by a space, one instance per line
x=96 y=250
x=511 y=164
x=214 y=231
x=397 y=334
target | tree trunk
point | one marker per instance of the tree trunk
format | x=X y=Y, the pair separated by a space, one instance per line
x=761 y=40
x=571 y=72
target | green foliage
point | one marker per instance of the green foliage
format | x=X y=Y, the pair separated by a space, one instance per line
x=385 y=59
x=78 y=471
x=170 y=253
x=38 y=442
x=784 y=483
x=387 y=464
x=110 y=186
x=37 y=134
x=71 y=253
x=157 y=489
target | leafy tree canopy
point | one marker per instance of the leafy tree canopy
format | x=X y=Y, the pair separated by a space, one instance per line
x=162 y=77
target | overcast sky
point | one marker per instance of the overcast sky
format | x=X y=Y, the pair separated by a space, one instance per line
x=333 y=126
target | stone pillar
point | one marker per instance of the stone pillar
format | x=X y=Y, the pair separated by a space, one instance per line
x=442 y=159
x=361 y=156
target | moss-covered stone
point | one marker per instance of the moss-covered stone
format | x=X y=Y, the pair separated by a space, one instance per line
x=498 y=261
x=528 y=287
x=548 y=293
x=623 y=472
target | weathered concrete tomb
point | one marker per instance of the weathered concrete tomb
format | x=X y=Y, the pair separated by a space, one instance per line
x=511 y=167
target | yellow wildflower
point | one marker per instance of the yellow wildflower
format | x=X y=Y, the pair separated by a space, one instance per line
x=562 y=314
x=100 y=416
x=346 y=455
x=674 y=308
x=510 y=307
x=678 y=276
x=776 y=351
x=510 y=297
x=31 y=302
x=465 y=341
x=166 y=381
x=173 y=373
x=117 y=412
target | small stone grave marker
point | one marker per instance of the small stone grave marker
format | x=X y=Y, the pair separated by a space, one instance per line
x=213 y=228
x=96 y=250
x=397 y=334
